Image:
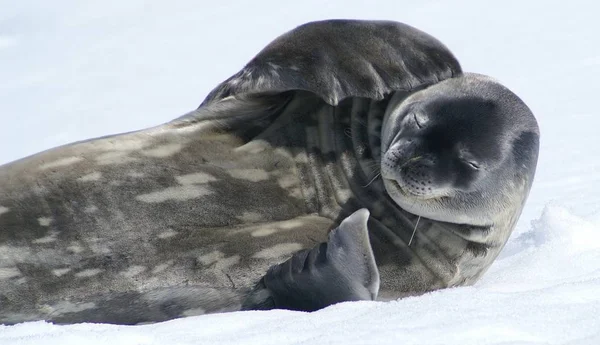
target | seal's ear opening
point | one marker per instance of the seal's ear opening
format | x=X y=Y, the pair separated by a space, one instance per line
x=343 y=269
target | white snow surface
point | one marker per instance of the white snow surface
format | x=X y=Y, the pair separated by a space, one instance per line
x=72 y=70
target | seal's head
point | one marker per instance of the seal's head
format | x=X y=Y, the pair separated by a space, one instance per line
x=459 y=151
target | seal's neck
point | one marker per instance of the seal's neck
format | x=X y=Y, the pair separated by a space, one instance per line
x=343 y=145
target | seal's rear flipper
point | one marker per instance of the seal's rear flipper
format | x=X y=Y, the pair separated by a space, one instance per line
x=343 y=269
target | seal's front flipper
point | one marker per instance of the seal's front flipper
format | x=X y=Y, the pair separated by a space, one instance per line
x=343 y=269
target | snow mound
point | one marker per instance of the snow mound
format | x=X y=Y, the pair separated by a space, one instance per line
x=543 y=289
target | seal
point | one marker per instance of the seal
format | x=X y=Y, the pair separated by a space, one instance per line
x=349 y=160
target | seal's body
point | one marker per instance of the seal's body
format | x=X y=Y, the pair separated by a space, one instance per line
x=185 y=218
x=101 y=230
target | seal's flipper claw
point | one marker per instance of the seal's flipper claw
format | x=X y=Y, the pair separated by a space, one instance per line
x=343 y=269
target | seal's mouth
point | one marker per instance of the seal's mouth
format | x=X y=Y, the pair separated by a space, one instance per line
x=407 y=192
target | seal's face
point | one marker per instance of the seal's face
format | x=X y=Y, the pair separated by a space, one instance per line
x=439 y=154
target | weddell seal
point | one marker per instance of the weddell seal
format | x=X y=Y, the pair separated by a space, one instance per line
x=348 y=160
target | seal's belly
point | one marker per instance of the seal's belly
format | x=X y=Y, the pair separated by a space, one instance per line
x=155 y=224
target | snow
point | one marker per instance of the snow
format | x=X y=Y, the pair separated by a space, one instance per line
x=71 y=70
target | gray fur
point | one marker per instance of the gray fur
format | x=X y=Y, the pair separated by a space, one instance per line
x=185 y=218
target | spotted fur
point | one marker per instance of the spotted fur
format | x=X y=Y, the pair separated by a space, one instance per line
x=184 y=218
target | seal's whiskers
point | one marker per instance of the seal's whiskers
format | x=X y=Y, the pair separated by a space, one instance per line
x=373 y=179
x=414 y=231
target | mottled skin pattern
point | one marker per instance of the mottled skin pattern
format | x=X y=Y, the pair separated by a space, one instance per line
x=126 y=226
x=184 y=218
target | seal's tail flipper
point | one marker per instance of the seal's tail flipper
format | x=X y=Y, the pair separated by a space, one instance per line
x=343 y=269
